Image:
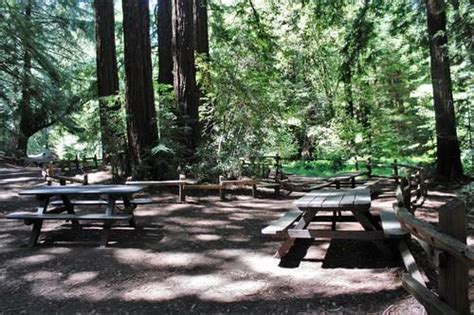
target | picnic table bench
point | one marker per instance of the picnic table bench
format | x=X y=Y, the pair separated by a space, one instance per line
x=296 y=224
x=68 y=195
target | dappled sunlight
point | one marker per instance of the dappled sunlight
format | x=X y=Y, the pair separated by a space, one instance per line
x=31 y=260
x=43 y=275
x=140 y=258
x=81 y=277
x=207 y=237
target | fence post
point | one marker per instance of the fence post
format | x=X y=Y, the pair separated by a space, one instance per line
x=278 y=171
x=356 y=164
x=369 y=167
x=453 y=274
x=182 y=195
x=221 y=190
x=395 y=171
x=77 y=162
x=86 y=179
x=95 y=161
x=254 y=187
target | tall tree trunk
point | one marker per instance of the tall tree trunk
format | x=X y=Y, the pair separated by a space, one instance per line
x=201 y=35
x=139 y=102
x=448 y=153
x=165 y=34
x=25 y=125
x=107 y=76
x=184 y=74
x=201 y=46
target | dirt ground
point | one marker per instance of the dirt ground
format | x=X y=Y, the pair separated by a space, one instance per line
x=203 y=256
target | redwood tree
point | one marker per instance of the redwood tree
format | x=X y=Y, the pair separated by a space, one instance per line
x=139 y=103
x=201 y=35
x=184 y=73
x=165 y=34
x=107 y=77
x=448 y=154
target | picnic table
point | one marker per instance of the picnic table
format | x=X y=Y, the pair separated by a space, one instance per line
x=298 y=224
x=346 y=177
x=115 y=194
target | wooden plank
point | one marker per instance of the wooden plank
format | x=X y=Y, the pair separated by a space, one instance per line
x=429 y=300
x=238 y=182
x=340 y=218
x=329 y=234
x=322 y=185
x=332 y=201
x=202 y=187
x=35 y=232
x=362 y=197
x=284 y=248
x=364 y=220
x=83 y=190
x=410 y=263
x=98 y=202
x=282 y=223
x=390 y=224
x=320 y=197
x=66 y=216
x=453 y=285
x=164 y=182
x=304 y=201
x=347 y=200
x=427 y=233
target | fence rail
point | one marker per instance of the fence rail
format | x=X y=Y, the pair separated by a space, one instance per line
x=454 y=258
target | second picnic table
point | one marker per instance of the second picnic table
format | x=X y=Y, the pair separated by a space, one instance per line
x=68 y=194
x=296 y=224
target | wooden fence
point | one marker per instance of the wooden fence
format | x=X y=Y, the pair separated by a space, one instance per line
x=77 y=164
x=447 y=247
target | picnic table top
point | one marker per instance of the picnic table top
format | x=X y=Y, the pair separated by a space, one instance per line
x=335 y=199
x=80 y=190
x=346 y=175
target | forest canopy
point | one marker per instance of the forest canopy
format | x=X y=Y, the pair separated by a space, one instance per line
x=302 y=79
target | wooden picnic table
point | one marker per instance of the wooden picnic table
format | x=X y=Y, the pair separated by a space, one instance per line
x=297 y=224
x=69 y=194
x=346 y=177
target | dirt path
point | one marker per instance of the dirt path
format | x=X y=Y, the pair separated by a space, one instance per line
x=204 y=256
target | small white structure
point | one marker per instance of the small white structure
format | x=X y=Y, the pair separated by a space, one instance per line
x=44 y=157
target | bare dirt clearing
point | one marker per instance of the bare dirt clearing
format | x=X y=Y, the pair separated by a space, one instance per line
x=202 y=256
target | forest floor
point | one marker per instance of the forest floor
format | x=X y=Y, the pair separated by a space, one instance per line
x=203 y=256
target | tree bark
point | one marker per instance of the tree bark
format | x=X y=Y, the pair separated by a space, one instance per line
x=107 y=76
x=25 y=125
x=448 y=153
x=165 y=34
x=139 y=101
x=184 y=74
x=201 y=35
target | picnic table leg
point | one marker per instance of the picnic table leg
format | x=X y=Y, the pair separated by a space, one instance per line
x=369 y=226
x=182 y=194
x=129 y=209
x=35 y=232
x=70 y=209
x=289 y=242
x=284 y=247
x=105 y=234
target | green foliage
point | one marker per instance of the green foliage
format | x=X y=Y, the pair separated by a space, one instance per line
x=279 y=80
